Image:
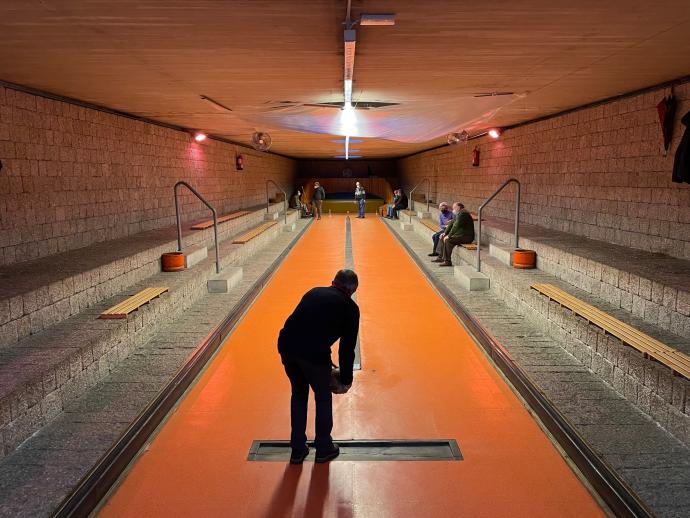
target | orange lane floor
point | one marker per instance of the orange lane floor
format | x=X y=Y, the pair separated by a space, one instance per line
x=423 y=377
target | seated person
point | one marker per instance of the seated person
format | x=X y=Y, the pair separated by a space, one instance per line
x=398 y=204
x=445 y=217
x=460 y=232
x=389 y=207
x=296 y=201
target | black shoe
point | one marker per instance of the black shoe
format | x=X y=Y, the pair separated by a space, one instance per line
x=298 y=456
x=433 y=254
x=446 y=263
x=330 y=454
x=437 y=260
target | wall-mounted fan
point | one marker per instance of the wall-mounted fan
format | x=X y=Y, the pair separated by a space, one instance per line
x=261 y=141
x=454 y=138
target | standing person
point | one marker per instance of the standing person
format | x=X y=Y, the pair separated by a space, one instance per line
x=317 y=199
x=360 y=197
x=445 y=217
x=323 y=316
x=459 y=232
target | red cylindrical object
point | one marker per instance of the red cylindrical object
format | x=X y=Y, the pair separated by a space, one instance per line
x=172 y=262
x=524 y=259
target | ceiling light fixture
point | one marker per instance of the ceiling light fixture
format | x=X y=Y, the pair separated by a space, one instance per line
x=495 y=132
x=199 y=136
x=348 y=119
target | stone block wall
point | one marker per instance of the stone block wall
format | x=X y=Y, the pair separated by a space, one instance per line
x=73 y=176
x=600 y=172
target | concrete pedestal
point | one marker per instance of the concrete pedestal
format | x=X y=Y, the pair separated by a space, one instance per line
x=225 y=281
x=470 y=279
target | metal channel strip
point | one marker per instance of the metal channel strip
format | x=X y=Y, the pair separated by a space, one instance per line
x=620 y=498
x=96 y=484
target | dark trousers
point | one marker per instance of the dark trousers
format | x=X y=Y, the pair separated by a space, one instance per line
x=316 y=208
x=452 y=242
x=303 y=375
x=360 y=205
x=435 y=239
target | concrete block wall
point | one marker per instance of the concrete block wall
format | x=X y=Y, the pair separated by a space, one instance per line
x=665 y=305
x=647 y=384
x=73 y=176
x=92 y=347
x=40 y=308
x=650 y=386
x=599 y=172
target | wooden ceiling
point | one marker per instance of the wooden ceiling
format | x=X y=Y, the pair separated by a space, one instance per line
x=155 y=58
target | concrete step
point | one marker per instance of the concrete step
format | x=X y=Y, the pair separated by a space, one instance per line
x=69 y=446
x=502 y=253
x=194 y=255
x=648 y=385
x=38 y=294
x=636 y=446
x=42 y=373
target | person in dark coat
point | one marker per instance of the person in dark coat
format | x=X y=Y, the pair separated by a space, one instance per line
x=390 y=206
x=681 y=163
x=323 y=316
x=401 y=204
x=317 y=199
x=459 y=232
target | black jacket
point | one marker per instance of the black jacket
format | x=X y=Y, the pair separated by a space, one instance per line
x=319 y=193
x=401 y=204
x=323 y=316
x=681 y=165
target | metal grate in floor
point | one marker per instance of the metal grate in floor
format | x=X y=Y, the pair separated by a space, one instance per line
x=365 y=450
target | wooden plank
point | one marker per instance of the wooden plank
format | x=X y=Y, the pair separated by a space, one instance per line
x=202 y=225
x=251 y=234
x=121 y=310
x=430 y=224
x=626 y=332
x=676 y=360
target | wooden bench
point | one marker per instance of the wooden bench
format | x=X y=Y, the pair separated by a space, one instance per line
x=650 y=347
x=132 y=303
x=430 y=224
x=251 y=234
x=202 y=225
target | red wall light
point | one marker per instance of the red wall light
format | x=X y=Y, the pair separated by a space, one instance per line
x=199 y=137
x=495 y=132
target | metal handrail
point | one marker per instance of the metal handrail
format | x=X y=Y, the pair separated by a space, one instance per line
x=428 y=189
x=268 y=203
x=179 y=220
x=479 y=217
